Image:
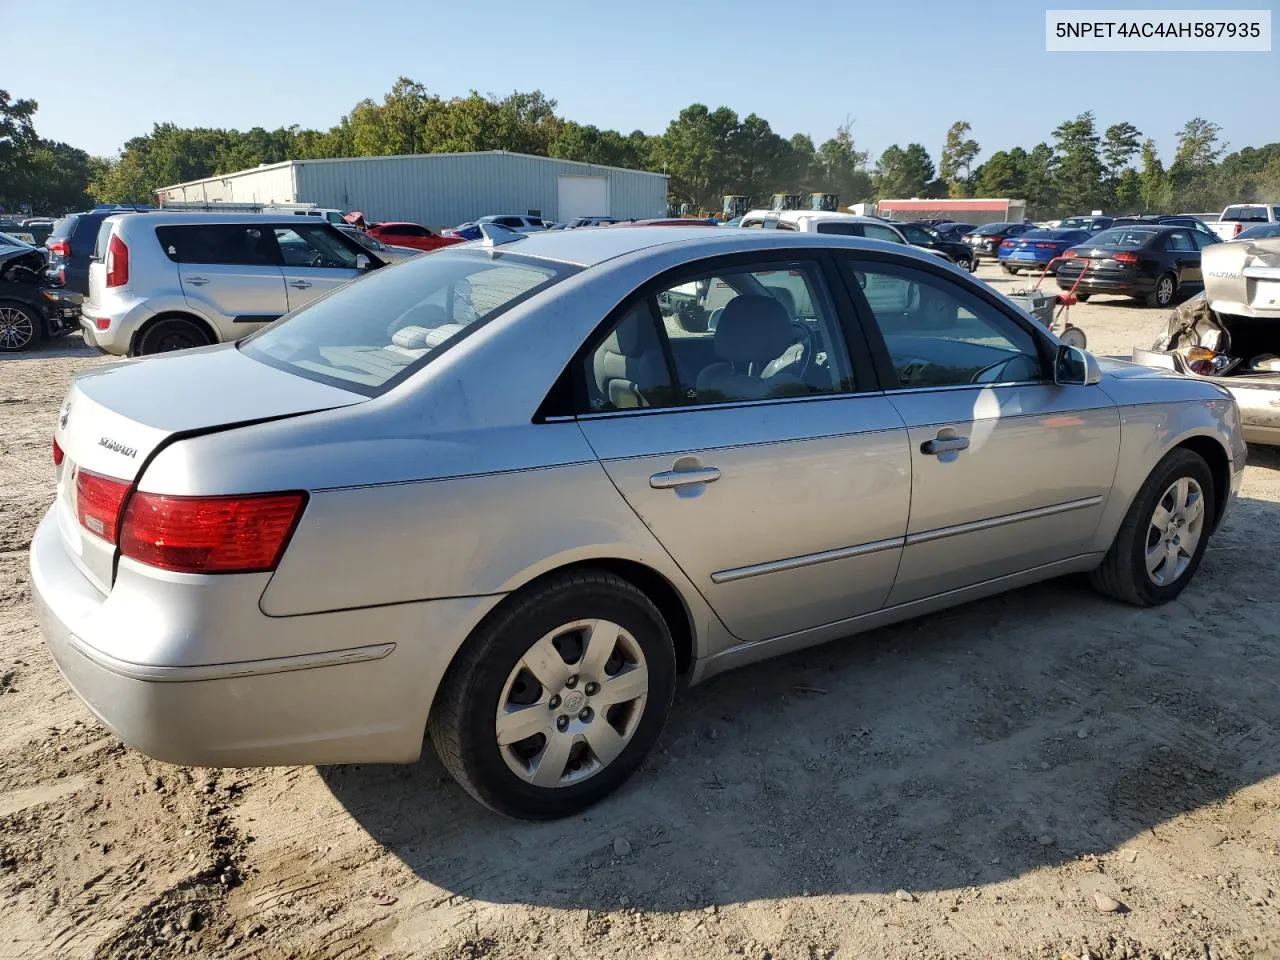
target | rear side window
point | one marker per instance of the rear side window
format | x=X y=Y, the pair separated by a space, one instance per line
x=103 y=238
x=369 y=336
x=64 y=227
x=1179 y=241
x=215 y=243
x=876 y=232
x=841 y=229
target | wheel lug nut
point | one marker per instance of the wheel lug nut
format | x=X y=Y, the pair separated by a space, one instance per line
x=585 y=715
x=562 y=722
x=572 y=681
x=554 y=701
x=592 y=689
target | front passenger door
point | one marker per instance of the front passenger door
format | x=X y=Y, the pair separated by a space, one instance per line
x=1009 y=471
x=315 y=260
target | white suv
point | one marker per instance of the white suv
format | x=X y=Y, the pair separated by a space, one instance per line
x=168 y=281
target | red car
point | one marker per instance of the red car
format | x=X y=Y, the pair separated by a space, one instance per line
x=410 y=235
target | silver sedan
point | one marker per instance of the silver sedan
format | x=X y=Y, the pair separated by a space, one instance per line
x=512 y=495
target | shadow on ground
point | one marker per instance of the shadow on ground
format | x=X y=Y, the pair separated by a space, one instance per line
x=968 y=747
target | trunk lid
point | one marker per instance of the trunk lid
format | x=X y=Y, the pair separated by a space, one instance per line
x=116 y=417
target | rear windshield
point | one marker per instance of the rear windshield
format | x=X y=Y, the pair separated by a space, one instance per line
x=989 y=228
x=1123 y=237
x=372 y=334
x=1245 y=214
x=65 y=227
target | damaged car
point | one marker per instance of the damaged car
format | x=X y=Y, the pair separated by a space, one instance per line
x=1230 y=333
x=32 y=307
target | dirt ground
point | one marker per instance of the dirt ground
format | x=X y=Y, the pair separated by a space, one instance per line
x=981 y=783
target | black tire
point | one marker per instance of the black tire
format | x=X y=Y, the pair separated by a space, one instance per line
x=1166 y=289
x=21 y=328
x=1008 y=269
x=971 y=265
x=171 y=333
x=1083 y=297
x=1123 y=573
x=463 y=719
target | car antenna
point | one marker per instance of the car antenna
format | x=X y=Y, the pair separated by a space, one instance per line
x=495 y=235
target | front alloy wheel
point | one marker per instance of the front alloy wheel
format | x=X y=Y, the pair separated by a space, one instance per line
x=17 y=328
x=1177 y=523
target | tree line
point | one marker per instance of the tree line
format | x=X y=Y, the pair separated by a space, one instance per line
x=707 y=154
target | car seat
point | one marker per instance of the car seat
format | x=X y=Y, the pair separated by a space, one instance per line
x=752 y=332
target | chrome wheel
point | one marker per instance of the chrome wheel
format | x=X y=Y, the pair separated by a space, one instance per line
x=17 y=330
x=572 y=703
x=1174 y=531
x=1164 y=291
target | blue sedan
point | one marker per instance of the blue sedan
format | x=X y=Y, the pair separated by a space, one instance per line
x=1034 y=249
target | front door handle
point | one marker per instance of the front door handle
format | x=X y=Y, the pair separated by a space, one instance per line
x=683 y=478
x=197 y=281
x=947 y=441
x=300 y=284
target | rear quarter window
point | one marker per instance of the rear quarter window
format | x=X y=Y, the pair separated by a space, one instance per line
x=217 y=243
x=102 y=239
x=65 y=227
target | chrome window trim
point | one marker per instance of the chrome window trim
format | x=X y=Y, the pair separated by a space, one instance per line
x=806 y=560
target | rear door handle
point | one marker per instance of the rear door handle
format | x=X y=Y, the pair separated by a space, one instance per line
x=197 y=281
x=947 y=441
x=300 y=284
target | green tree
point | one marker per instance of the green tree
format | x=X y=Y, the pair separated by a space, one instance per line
x=1193 y=173
x=1002 y=174
x=901 y=174
x=839 y=167
x=1127 y=191
x=1079 y=175
x=1120 y=144
x=958 y=154
x=695 y=151
x=17 y=137
x=1155 y=189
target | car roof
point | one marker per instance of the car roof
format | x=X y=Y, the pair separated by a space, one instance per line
x=197 y=217
x=793 y=216
x=587 y=248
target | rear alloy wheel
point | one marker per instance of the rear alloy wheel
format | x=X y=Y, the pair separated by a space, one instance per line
x=1162 y=295
x=171 y=334
x=20 y=328
x=556 y=698
x=1163 y=537
x=971 y=264
x=1008 y=269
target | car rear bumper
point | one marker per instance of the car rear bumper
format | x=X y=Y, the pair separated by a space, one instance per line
x=1133 y=286
x=360 y=693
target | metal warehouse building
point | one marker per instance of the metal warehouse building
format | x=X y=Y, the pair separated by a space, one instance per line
x=440 y=189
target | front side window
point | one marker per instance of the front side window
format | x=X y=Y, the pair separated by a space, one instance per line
x=917 y=235
x=940 y=335
x=313 y=246
x=721 y=337
x=216 y=243
x=369 y=336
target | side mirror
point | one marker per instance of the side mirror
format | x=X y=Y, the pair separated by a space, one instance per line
x=362 y=261
x=1073 y=367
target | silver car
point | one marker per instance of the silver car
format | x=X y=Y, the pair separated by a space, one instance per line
x=512 y=495
x=171 y=281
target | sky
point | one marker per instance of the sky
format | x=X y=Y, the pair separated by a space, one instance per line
x=901 y=70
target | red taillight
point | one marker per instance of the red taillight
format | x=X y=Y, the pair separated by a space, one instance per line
x=98 y=502
x=60 y=247
x=209 y=534
x=1125 y=257
x=1007 y=243
x=1046 y=246
x=62 y=275
x=1238 y=227
x=117 y=262
x=57 y=453
x=102 y=323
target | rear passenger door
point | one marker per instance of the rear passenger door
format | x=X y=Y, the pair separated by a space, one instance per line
x=315 y=260
x=228 y=273
x=760 y=454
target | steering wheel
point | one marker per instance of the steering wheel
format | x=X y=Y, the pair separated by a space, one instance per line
x=316 y=259
x=803 y=337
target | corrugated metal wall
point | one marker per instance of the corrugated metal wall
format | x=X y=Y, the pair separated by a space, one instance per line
x=273 y=184
x=448 y=189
